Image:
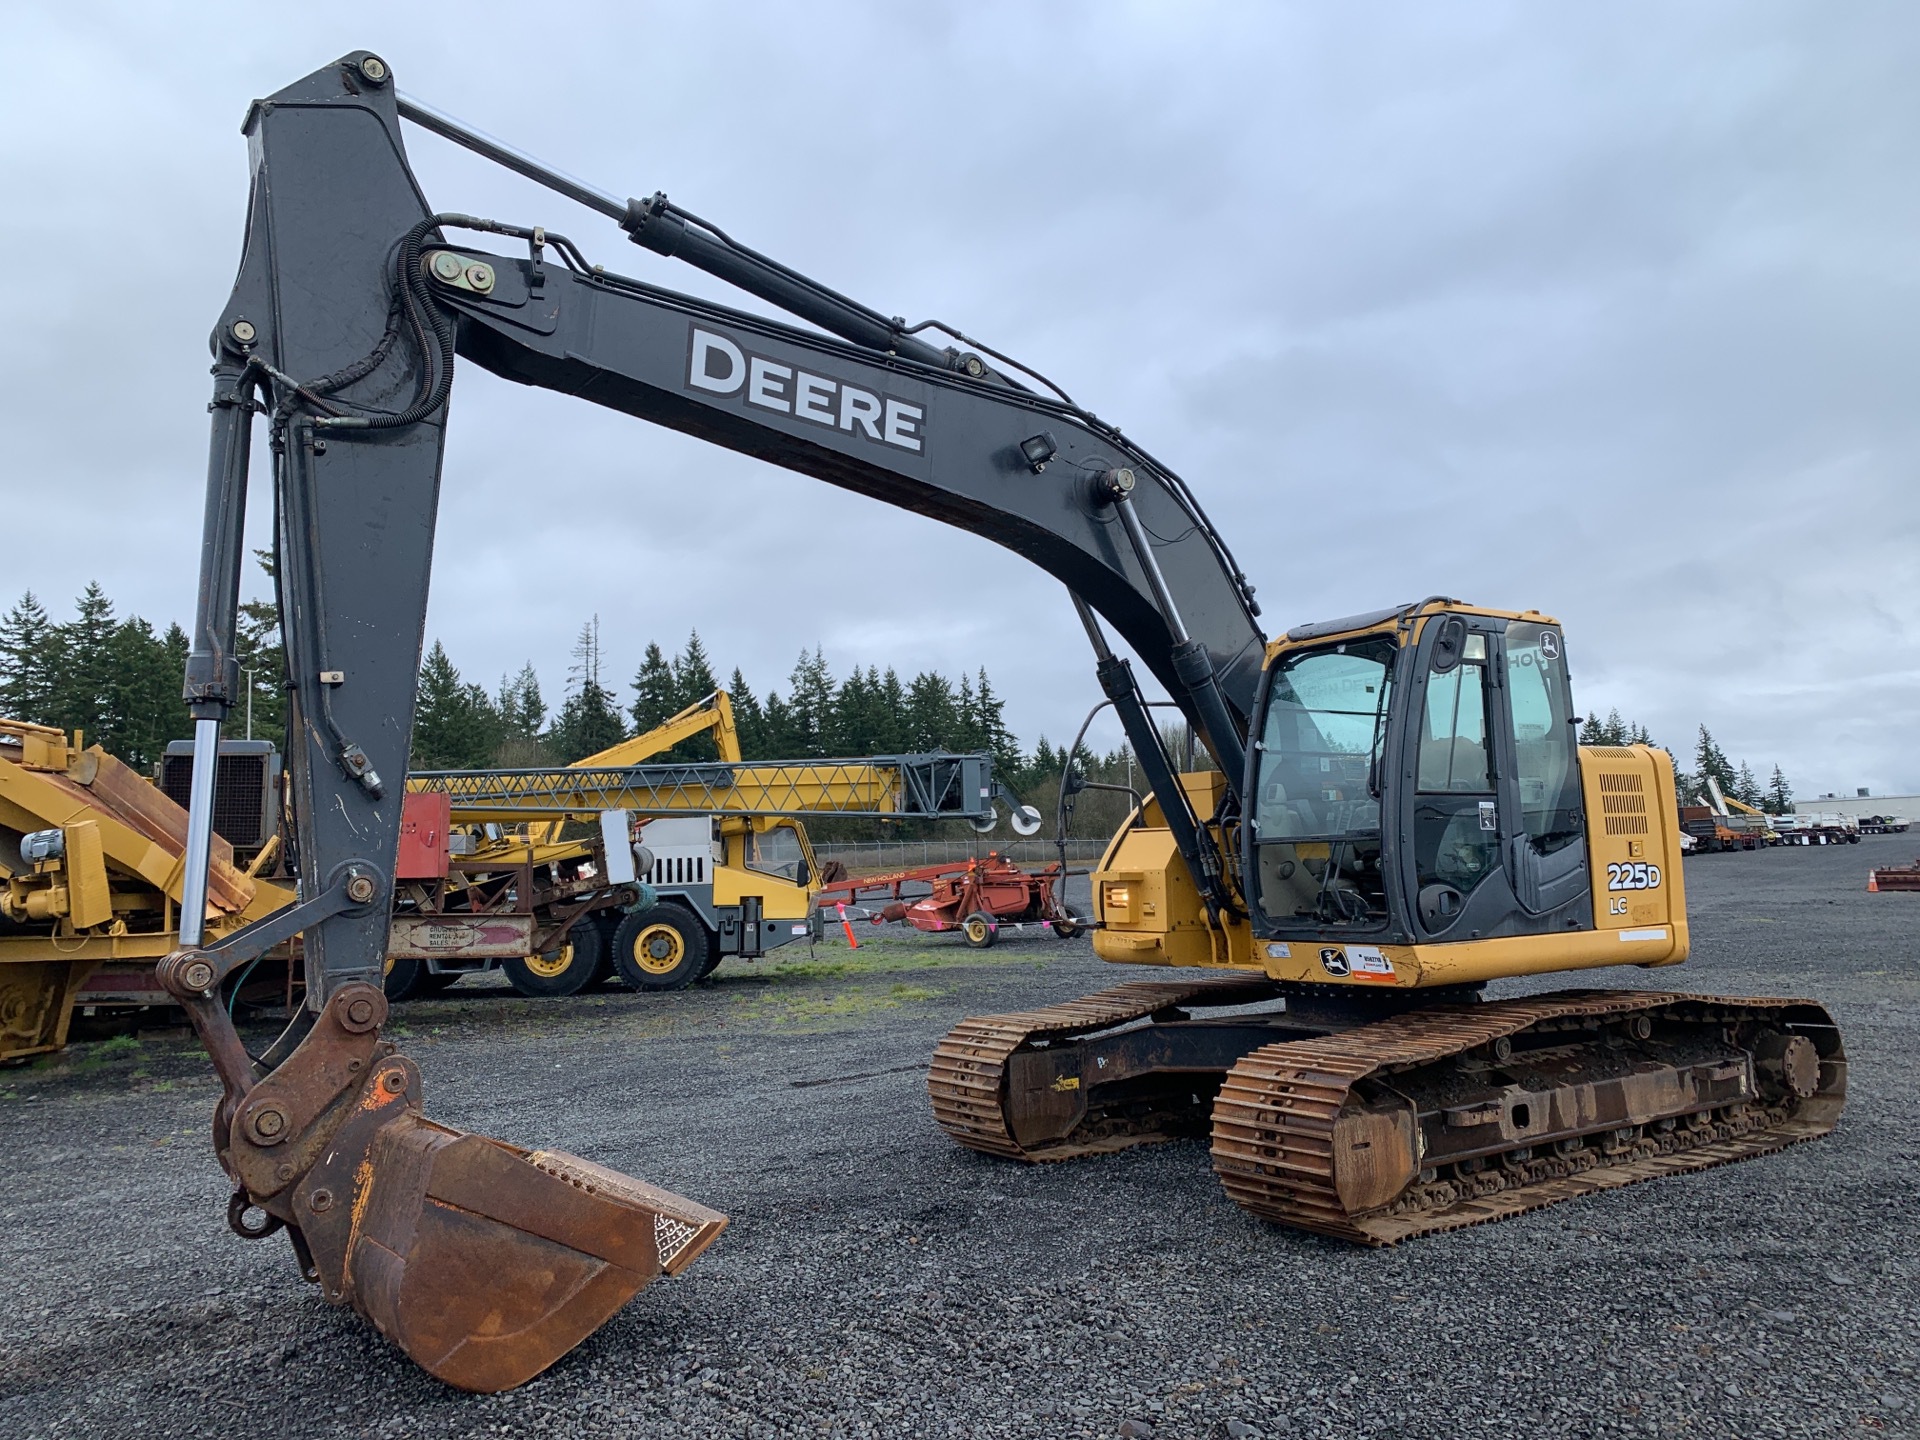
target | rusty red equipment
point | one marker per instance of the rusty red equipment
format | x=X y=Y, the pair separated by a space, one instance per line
x=976 y=897
x=1895 y=877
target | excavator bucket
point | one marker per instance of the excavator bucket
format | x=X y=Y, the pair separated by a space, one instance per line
x=484 y=1262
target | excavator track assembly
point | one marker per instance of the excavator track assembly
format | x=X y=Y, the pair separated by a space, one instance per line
x=1430 y=1120
x=985 y=1097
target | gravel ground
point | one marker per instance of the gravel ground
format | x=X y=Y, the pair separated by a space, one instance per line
x=878 y=1280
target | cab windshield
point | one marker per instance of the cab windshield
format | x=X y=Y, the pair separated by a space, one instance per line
x=1316 y=820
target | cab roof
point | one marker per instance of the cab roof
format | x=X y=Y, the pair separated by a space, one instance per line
x=1394 y=617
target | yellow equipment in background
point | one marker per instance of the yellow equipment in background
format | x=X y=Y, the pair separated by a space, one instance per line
x=731 y=868
x=90 y=861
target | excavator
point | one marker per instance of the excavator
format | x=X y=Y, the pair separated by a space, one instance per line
x=1399 y=816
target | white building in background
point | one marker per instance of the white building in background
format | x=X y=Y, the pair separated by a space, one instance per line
x=1905 y=807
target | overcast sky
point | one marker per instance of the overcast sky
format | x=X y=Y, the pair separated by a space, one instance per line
x=1607 y=310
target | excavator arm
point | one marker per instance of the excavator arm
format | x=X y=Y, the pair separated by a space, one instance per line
x=354 y=299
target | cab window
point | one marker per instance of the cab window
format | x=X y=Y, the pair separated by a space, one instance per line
x=1456 y=839
x=1546 y=762
x=1453 y=742
x=1316 y=820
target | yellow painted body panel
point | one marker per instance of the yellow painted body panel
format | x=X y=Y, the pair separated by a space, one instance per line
x=1152 y=913
x=1633 y=819
x=733 y=881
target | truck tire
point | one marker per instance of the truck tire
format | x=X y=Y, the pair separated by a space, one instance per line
x=565 y=970
x=405 y=979
x=664 y=948
x=609 y=921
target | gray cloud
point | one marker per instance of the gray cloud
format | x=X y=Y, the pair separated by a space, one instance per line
x=1604 y=310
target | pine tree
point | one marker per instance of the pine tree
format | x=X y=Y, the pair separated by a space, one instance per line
x=455 y=725
x=523 y=710
x=990 y=724
x=1779 y=799
x=1748 y=787
x=779 y=734
x=693 y=681
x=1613 y=731
x=933 y=718
x=749 y=720
x=810 y=706
x=893 y=704
x=589 y=721
x=27 y=663
x=968 y=734
x=146 y=709
x=83 y=683
x=693 y=677
x=860 y=723
x=654 y=690
x=1710 y=760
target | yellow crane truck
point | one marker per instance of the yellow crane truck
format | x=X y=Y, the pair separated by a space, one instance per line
x=680 y=866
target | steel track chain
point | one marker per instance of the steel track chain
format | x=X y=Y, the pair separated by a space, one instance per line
x=967 y=1078
x=1273 y=1121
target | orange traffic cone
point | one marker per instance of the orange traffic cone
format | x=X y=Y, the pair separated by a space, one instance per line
x=1873 y=882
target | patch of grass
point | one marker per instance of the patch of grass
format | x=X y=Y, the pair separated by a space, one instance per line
x=88 y=1059
x=822 y=1012
x=879 y=958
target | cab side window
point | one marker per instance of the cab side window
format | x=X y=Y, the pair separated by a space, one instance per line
x=1456 y=837
x=1453 y=741
x=1546 y=763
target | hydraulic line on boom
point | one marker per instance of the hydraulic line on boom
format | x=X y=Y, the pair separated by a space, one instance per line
x=1400 y=812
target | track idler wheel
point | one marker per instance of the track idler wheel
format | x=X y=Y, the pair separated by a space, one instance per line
x=484 y=1262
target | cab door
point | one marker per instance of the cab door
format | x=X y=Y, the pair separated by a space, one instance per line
x=1544 y=827
x=1451 y=860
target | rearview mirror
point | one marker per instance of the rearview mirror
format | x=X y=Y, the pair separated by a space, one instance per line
x=1449 y=644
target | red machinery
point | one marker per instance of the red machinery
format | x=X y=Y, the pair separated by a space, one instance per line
x=975 y=897
x=1894 y=877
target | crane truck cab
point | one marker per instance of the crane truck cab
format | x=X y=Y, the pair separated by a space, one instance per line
x=728 y=886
